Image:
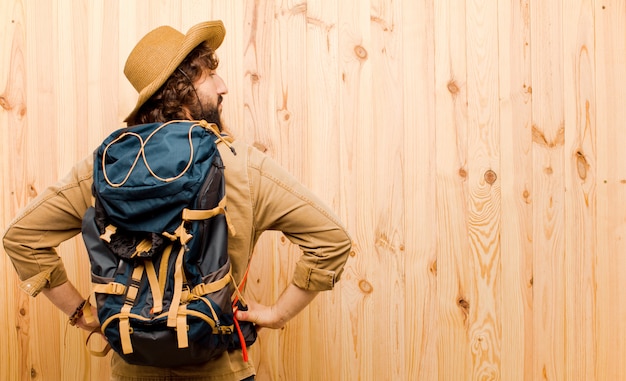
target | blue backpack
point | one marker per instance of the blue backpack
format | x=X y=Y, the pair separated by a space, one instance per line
x=157 y=239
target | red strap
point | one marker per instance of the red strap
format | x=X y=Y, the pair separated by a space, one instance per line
x=242 y=340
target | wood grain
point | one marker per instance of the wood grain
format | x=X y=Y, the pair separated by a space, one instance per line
x=516 y=187
x=548 y=131
x=581 y=179
x=610 y=74
x=454 y=262
x=484 y=199
x=473 y=149
x=415 y=24
x=15 y=316
x=324 y=166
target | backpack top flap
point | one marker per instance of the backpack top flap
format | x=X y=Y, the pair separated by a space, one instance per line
x=146 y=174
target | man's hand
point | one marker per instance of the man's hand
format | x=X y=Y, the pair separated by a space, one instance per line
x=261 y=315
x=290 y=303
x=93 y=324
x=66 y=298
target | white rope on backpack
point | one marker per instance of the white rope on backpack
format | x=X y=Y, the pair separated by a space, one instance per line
x=104 y=172
x=141 y=152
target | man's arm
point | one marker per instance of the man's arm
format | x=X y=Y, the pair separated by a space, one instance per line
x=66 y=298
x=289 y=304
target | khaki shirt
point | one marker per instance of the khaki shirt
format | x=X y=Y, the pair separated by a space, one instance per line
x=260 y=196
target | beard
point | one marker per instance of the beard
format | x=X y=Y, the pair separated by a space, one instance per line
x=211 y=113
x=213 y=116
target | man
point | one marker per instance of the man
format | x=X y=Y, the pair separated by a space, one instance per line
x=175 y=76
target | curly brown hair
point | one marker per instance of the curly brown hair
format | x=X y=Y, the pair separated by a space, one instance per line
x=177 y=99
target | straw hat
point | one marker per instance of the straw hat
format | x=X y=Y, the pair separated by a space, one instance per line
x=158 y=54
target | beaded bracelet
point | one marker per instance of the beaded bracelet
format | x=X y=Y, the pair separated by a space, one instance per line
x=78 y=313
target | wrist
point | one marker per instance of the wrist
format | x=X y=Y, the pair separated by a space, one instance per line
x=78 y=313
x=280 y=318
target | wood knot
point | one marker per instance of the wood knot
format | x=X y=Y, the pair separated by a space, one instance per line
x=581 y=165
x=360 y=52
x=462 y=172
x=22 y=112
x=32 y=191
x=433 y=268
x=365 y=286
x=254 y=77
x=5 y=104
x=464 y=304
x=284 y=115
x=453 y=88
x=490 y=177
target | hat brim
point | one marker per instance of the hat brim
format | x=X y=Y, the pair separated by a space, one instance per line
x=211 y=32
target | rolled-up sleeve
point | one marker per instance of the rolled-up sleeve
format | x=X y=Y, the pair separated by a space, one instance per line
x=283 y=204
x=51 y=218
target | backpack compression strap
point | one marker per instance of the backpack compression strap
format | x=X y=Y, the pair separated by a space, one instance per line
x=172 y=317
x=205 y=214
x=124 y=322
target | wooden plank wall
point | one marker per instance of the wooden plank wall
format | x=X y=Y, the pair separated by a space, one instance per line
x=474 y=149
